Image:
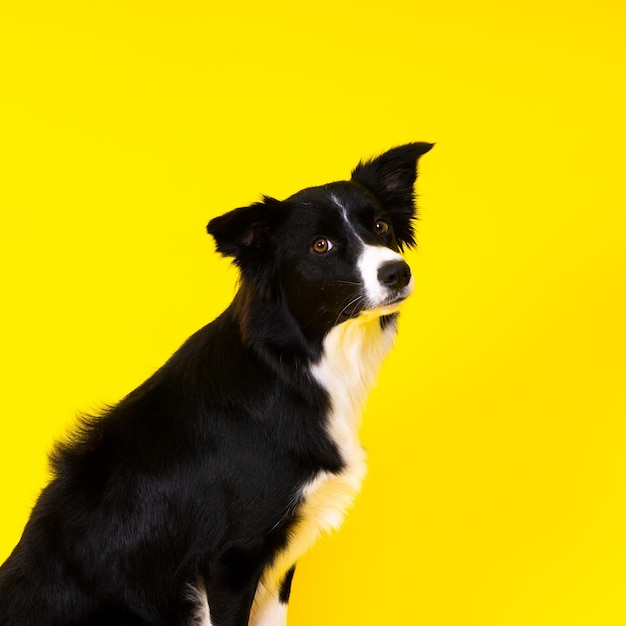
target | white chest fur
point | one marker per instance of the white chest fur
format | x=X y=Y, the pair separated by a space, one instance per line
x=353 y=354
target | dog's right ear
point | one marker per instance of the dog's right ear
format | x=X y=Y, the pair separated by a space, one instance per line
x=245 y=231
x=390 y=177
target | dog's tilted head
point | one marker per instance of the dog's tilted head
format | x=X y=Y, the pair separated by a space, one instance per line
x=329 y=253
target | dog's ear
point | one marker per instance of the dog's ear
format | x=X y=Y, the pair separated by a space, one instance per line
x=243 y=232
x=390 y=177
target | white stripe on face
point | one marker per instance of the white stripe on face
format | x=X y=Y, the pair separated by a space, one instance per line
x=344 y=214
x=371 y=259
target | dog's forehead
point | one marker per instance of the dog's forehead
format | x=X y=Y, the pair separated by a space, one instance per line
x=344 y=197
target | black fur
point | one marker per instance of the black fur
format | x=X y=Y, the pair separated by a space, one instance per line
x=193 y=475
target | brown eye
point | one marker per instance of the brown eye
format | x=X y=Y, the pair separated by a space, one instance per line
x=381 y=227
x=322 y=245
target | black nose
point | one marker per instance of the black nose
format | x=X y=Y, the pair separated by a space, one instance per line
x=394 y=274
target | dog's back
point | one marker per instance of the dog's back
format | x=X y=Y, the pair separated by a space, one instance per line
x=190 y=501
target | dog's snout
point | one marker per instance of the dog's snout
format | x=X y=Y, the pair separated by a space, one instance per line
x=394 y=274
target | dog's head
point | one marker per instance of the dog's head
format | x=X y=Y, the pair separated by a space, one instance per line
x=330 y=253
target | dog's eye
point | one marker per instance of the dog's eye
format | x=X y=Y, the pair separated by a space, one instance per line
x=322 y=245
x=381 y=227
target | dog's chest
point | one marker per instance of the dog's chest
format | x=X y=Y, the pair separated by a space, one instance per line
x=353 y=354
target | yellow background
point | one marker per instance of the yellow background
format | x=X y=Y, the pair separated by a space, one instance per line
x=496 y=436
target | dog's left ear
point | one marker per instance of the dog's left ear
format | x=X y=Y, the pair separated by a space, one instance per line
x=244 y=233
x=390 y=177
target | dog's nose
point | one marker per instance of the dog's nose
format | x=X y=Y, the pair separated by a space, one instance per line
x=395 y=275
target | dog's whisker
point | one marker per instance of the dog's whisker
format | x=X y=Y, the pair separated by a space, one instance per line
x=356 y=300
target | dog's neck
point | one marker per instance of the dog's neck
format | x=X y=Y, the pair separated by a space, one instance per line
x=352 y=355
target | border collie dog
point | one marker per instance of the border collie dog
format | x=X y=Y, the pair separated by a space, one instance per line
x=189 y=502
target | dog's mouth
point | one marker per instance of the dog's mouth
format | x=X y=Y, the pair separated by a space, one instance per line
x=389 y=306
x=386 y=307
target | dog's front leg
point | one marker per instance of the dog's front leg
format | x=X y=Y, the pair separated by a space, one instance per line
x=225 y=606
x=270 y=602
x=227 y=584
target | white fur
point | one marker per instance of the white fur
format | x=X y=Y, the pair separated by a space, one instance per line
x=344 y=214
x=267 y=610
x=202 y=615
x=352 y=355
